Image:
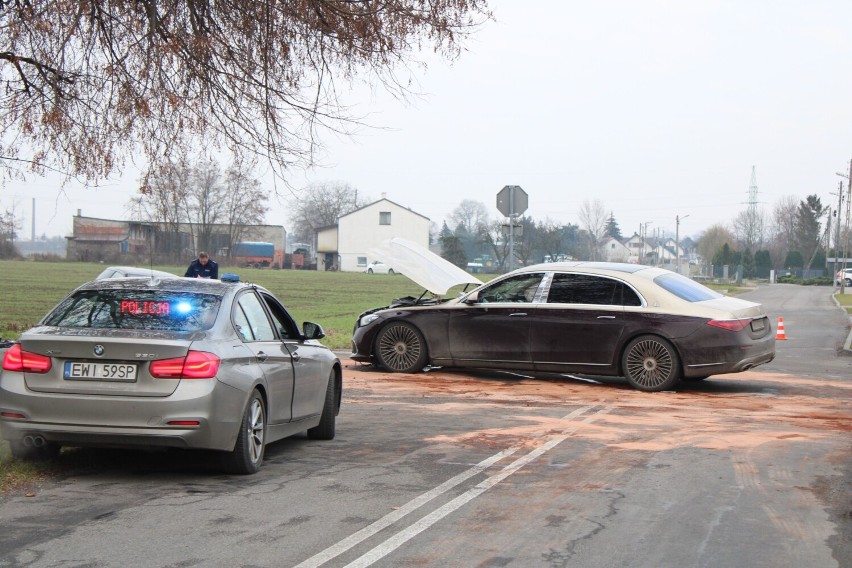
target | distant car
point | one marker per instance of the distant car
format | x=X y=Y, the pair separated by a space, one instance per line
x=176 y=362
x=647 y=324
x=845 y=276
x=130 y=271
x=377 y=267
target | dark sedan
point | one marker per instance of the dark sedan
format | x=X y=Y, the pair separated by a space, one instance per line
x=650 y=325
x=171 y=362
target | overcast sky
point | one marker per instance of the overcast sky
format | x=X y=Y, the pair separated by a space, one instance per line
x=656 y=108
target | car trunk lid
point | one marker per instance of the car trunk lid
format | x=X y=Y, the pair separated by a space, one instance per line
x=113 y=363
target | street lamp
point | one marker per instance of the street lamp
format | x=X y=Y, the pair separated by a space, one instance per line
x=677 y=241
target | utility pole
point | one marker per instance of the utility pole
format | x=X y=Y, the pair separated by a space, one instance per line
x=846 y=237
x=839 y=222
x=677 y=241
x=837 y=230
x=643 y=229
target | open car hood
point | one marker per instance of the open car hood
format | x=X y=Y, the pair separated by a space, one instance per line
x=421 y=265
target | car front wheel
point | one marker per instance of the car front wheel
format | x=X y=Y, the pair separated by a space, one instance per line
x=651 y=364
x=251 y=440
x=400 y=348
x=325 y=429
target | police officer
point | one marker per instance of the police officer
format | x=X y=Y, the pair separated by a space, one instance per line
x=202 y=267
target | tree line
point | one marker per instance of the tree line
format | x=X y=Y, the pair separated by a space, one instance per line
x=198 y=205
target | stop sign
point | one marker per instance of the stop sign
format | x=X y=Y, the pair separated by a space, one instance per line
x=512 y=200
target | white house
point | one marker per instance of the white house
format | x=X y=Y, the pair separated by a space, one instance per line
x=344 y=246
x=638 y=248
x=613 y=250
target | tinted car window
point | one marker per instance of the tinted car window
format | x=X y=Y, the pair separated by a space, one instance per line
x=685 y=288
x=287 y=328
x=589 y=289
x=519 y=288
x=256 y=318
x=136 y=309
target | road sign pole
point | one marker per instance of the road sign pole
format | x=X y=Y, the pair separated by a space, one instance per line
x=512 y=201
x=511 y=262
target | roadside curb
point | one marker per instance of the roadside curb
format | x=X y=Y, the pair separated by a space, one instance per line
x=847 y=346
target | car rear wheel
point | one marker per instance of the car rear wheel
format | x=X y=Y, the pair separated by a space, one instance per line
x=325 y=429
x=251 y=440
x=400 y=348
x=390 y=271
x=369 y=271
x=651 y=364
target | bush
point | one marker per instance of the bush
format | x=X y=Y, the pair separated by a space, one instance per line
x=820 y=281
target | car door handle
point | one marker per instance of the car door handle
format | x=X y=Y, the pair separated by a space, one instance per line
x=261 y=356
x=295 y=356
x=518 y=314
x=606 y=317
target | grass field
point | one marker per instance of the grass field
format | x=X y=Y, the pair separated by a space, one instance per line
x=331 y=299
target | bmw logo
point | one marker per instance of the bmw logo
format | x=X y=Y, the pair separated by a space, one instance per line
x=99 y=350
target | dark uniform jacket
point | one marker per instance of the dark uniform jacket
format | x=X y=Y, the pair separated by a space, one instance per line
x=197 y=270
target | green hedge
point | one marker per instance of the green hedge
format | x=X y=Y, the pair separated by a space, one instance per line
x=821 y=281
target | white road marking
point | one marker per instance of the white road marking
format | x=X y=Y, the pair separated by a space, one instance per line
x=392 y=517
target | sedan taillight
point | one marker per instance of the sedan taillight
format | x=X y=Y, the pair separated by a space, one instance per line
x=730 y=325
x=16 y=359
x=196 y=365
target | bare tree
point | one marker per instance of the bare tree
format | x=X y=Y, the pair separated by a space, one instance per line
x=493 y=236
x=750 y=228
x=165 y=203
x=470 y=215
x=320 y=205
x=88 y=83
x=713 y=239
x=9 y=227
x=594 y=220
x=207 y=193
x=216 y=209
x=244 y=204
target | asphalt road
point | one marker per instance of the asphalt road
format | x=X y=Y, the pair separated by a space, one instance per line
x=490 y=469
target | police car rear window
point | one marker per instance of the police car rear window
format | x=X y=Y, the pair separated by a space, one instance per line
x=136 y=309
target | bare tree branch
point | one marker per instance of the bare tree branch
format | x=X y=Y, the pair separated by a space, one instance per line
x=88 y=84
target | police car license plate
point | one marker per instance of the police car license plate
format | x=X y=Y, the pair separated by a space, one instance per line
x=84 y=371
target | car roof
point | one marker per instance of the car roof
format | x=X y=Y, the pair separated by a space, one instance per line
x=138 y=271
x=174 y=284
x=610 y=268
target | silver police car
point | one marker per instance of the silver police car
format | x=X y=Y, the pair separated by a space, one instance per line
x=168 y=362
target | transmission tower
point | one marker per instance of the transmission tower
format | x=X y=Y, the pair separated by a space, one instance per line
x=752 y=193
x=752 y=228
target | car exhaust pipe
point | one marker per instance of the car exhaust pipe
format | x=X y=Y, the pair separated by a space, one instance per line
x=34 y=441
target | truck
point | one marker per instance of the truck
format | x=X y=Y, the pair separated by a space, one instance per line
x=253 y=254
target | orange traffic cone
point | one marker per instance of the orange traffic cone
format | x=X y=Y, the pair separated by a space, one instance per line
x=780 y=334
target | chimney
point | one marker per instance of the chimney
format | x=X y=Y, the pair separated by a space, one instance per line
x=79 y=212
